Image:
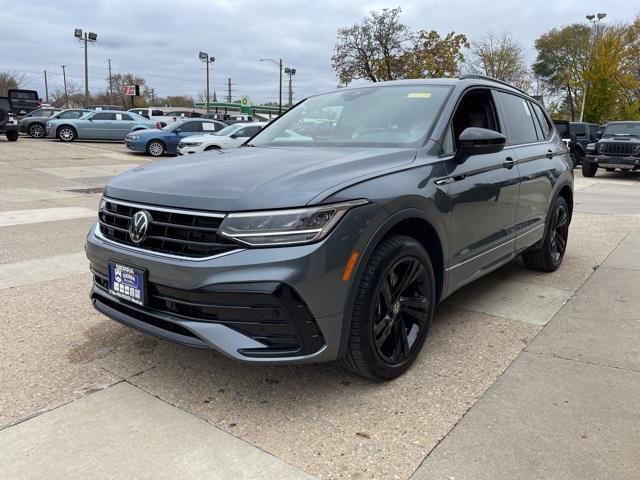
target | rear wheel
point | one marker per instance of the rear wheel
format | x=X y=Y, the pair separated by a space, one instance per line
x=589 y=169
x=155 y=148
x=392 y=310
x=66 y=134
x=12 y=135
x=548 y=256
x=36 y=130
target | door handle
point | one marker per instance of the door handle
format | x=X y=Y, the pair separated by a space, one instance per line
x=509 y=162
x=549 y=154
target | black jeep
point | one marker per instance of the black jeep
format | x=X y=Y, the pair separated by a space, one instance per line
x=619 y=148
x=8 y=121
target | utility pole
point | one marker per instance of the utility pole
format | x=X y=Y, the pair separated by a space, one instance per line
x=280 y=99
x=64 y=79
x=291 y=72
x=594 y=19
x=46 y=87
x=110 y=84
x=228 y=90
x=86 y=38
x=207 y=59
x=153 y=96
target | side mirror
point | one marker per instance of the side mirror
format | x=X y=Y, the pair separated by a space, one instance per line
x=478 y=141
x=233 y=136
x=177 y=131
x=598 y=134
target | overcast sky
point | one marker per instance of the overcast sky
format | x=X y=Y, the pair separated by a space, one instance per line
x=159 y=40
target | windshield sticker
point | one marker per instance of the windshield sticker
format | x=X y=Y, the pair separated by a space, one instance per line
x=419 y=95
x=207 y=127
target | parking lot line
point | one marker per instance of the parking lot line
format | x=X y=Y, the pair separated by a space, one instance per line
x=88 y=171
x=36 y=215
x=42 y=269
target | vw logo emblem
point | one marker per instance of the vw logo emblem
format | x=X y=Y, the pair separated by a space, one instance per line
x=139 y=226
x=396 y=309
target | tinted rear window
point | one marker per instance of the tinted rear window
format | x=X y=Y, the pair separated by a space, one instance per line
x=519 y=120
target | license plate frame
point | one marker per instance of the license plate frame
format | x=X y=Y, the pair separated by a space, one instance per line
x=127 y=282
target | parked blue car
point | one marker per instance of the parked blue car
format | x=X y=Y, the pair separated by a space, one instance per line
x=98 y=125
x=157 y=142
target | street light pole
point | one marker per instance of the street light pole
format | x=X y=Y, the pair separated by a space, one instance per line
x=64 y=79
x=594 y=19
x=279 y=64
x=86 y=38
x=207 y=59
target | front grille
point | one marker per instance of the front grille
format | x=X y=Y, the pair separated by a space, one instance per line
x=268 y=312
x=618 y=148
x=172 y=232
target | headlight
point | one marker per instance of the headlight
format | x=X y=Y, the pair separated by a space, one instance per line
x=285 y=227
x=591 y=147
x=192 y=144
x=599 y=147
x=133 y=137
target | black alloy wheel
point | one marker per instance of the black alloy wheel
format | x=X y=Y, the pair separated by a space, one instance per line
x=559 y=233
x=401 y=310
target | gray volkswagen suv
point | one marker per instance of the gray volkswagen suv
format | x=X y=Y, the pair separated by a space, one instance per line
x=332 y=233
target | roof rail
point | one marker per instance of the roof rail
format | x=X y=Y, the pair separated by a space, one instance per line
x=490 y=79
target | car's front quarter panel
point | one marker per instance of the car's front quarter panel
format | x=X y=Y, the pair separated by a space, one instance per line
x=314 y=271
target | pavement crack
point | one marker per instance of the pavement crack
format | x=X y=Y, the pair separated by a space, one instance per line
x=576 y=360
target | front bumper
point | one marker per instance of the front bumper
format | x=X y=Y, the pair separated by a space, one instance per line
x=189 y=150
x=135 y=145
x=629 y=162
x=263 y=305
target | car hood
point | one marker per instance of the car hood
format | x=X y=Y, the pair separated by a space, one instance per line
x=201 y=138
x=253 y=178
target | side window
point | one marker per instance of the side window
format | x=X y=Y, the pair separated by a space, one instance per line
x=518 y=118
x=191 y=127
x=123 y=116
x=476 y=109
x=243 y=132
x=157 y=113
x=543 y=121
x=104 y=116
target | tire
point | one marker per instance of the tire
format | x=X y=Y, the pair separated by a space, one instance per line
x=66 y=134
x=4 y=117
x=36 y=130
x=212 y=147
x=372 y=344
x=155 y=148
x=548 y=256
x=12 y=135
x=589 y=169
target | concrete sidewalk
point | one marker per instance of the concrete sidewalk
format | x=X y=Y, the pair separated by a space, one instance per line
x=569 y=406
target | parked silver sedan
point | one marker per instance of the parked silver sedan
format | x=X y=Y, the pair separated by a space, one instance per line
x=98 y=125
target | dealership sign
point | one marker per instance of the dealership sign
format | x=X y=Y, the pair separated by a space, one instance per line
x=131 y=90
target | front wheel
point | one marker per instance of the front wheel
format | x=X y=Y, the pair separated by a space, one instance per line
x=392 y=310
x=589 y=169
x=12 y=135
x=548 y=256
x=66 y=134
x=155 y=148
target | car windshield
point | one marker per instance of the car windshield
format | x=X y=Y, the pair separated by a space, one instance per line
x=622 y=129
x=226 y=131
x=389 y=116
x=172 y=126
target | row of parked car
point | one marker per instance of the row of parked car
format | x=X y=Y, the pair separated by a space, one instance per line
x=144 y=130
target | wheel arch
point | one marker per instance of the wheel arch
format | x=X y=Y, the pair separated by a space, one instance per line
x=412 y=223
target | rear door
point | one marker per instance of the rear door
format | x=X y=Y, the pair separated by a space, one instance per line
x=529 y=143
x=98 y=126
x=121 y=126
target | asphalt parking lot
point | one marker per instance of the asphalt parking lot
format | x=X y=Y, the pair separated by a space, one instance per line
x=516 y=362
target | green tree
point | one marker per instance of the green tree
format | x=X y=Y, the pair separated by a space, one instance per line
x=562 y=60
x=182 y=101
x=501 y=57
x=381 y=48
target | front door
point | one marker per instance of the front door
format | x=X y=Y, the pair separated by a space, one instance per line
x=121 y=126
x=98 y=126
x=483 y=192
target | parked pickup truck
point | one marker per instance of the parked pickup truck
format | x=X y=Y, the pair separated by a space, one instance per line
x=619 y=148
x=154 y=113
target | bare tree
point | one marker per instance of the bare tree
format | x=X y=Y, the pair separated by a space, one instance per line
x=10 y=80
x=499 y=56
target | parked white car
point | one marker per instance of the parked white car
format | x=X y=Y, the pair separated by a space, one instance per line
x=229 y=137
x=156 y=114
